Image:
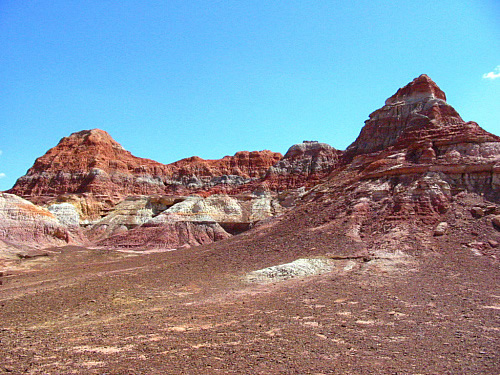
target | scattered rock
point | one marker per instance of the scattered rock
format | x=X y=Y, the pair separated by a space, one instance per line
x=492 y=209
x=496 y=221
x=477 y=212
x=297 y=268
x=441 y=229
x=493 y=243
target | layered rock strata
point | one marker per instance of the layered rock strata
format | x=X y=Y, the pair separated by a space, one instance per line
x=415 y=169
x=24 y=224
x=416 y=173
x=172 y=233
x=304 y=164
x=130 y=213
x=91 y=162
x=196 y=219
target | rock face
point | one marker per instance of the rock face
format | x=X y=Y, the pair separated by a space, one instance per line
x=130 y=213
x=194 y=219
x=23 y=223
x=415 y=164
x=66 y=214
x=304 y=164
x=235 y=214
x=172 y=233
x=418 y=133
x=418 y=116
x=91 y=162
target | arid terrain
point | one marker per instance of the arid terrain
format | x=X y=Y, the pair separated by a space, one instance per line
x=380 y=259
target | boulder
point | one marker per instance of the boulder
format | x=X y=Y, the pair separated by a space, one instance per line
x=441 y=229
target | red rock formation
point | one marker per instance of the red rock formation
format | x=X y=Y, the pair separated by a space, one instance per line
x=90 y=161
x=169 y=235
x=304 y=164
x=413 y=117
x=414 y=159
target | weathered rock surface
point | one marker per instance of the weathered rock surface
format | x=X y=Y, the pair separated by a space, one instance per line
x=95 y=167
x=304 y=164
x=387 y=295
x=23 y=223
x=205 y=219
x=295 y=269
x=418 y=133
x=414 y=159
x=171 y=233
x=66 y=214
x=441 y=229
x=234 y=214
x=130 y=213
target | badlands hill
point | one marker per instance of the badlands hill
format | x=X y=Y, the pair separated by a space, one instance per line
x=379 y=259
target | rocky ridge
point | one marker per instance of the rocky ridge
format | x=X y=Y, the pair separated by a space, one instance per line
x=91 y=166
x=304 y=165
x=413 y=160
x=387 y=265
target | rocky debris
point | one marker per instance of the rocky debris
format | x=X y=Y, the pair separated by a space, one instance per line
x=477 y=212
x=12 y=251
x=441 y=229
x=493 y=243
x=297 y=268
x=303 y=164
x=91 y=162
x=24 y=224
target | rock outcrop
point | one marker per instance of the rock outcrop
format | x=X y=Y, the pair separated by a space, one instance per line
x=414 y=159
x=66 y=214
x=170 y=234
x=194 y=219
x=27 y=226
x=418 y=133
x=415 y=173
x=130 y=213
x=304 y=164
x=234 y=213
x=92 y=163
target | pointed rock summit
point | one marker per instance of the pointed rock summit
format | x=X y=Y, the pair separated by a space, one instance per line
x=420 y=88
x=417 y=112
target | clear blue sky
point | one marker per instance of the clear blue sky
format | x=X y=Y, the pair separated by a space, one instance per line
x=175 y=78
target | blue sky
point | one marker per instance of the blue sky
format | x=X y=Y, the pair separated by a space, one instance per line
x=172 y=79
